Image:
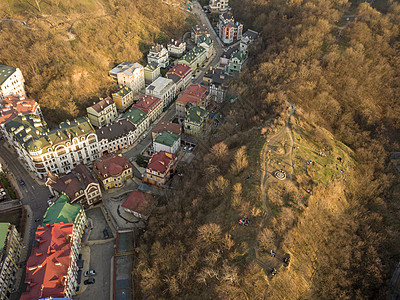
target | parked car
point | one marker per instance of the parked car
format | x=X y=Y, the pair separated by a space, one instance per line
x=190 y=149
x=51 y=196
x=21 y=182
x=49 y=202
x=185 y=148
x=89 y=273
x=89 y=281
x=105 y=233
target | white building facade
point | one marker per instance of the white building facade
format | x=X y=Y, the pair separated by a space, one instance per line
x=130 y=75
x=158 y=54
x=162 y=88
x=11 y=82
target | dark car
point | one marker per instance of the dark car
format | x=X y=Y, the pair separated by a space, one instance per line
x=89 y=281
x=21 y=182
x=105 y=233
x=51 y=196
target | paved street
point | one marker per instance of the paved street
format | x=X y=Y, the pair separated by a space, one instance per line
x=34 y=196
x=100 y=261
x=218 y=46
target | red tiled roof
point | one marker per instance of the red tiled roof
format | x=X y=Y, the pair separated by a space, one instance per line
x=181 y=70
x=139 y=202
x=194 y=94
x=161 y=161
x=11 y=106
x=102 y=104
x=167 y=126
x=47 y=267
x=111 y=166
x=147 y=103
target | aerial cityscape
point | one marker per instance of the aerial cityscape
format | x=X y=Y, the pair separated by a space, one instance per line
x=170 y=149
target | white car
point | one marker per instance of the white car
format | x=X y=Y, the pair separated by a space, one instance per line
x=190 y=149
x=90 y=273
x=185 y=148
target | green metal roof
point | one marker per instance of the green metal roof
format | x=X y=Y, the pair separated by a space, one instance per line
x=122 y=92
x=34 y=135
x=205 y=39
x=198 y=50
x=5 y=72
x=3 y=234
x=61 y=211
x=166 y=138
x=240 y=55
x=196 y=115
x=136 y=115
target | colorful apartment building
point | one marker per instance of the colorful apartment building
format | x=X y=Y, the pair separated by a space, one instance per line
x=52 y=270
x=151 y=105
x=236 y=62
x=159 y=55
x=166 y=126
x=10 y=252
x=162 y=88
x=207 y=43
x=167 y=141
x=123 y=98
x=116 y=136
x=196 y=120
x=13 y=106
x=229 y=30
x=53 y=151
x=176 y=48
x=160 y=168
x=80 y=186
x=199 y=30
x=181 y=75
x=218 y=82
x=103 y=112
x=11 y=82
x=113 y=171
x=139 y=118
x=61 y=211
x=194 y=95
x=130 y=75
x=152 y=72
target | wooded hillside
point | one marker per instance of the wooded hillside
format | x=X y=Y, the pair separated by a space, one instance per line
x=66 y=48
x=342 y=235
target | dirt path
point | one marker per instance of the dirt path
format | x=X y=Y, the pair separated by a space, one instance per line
x=265 y=156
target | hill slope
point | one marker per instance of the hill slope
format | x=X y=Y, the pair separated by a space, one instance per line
x=66 y=48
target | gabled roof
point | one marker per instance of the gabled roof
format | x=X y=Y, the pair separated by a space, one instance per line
x=218 y=76
x=200 y=29
x=180 y=70
x=112 y=131
x=167 y=126
x=194 y=94
x=148 y=103
x=161 y=161
x=166 y=138
x=110 y=166
x=11 y=106
x=74 y=182
x=5 y=72
x=61 y=211
x=102 y=104
x=139 y=202
x=47 y=266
